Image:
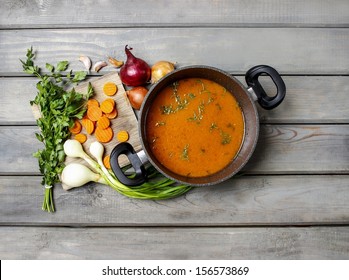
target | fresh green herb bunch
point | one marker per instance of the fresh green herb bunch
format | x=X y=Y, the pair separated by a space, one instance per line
x=58 y=108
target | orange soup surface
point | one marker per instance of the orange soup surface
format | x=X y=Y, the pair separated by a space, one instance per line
x=195 y=127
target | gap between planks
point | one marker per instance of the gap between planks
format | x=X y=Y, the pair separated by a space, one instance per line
x=169 y=226
x=170 y=25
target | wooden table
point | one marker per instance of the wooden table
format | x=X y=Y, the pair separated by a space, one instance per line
x=292 y=201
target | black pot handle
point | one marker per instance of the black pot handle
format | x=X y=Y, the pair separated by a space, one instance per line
x=263 y=99
x=127 y=149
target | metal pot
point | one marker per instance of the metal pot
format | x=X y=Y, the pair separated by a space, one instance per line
x=246 y=98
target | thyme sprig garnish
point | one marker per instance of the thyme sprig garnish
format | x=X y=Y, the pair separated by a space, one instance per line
x=181 y=103
x=185 y=155
x=198 y=116
x=225 y=137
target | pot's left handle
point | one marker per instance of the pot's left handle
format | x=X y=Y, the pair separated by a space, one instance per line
x=263 y=99
x=136 y=162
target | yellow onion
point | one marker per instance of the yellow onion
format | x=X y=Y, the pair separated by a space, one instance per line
x=136 y=96
x=160 y=69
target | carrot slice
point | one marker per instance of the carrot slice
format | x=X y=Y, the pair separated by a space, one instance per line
x=88 y=125
x=106 y=161
x=94 y=113
x=110 y=89
x=104 y=135
x=113 y=114
x=103 y=122
x=81 y=138
x=92 y=102
x=122 y=136
x=107 y=105
x=76 y=128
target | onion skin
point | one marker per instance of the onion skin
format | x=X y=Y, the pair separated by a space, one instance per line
x=161 y=69
x=135 y=71
x=136 y=96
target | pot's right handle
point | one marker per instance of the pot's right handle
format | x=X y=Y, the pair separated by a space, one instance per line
x=263 y=99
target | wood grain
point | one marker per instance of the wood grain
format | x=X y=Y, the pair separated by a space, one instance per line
x=323 y=50
x=281 y=149
x=174 y=243
x=241 y=201
x=291 y=202
x=309 y=99
x=296 y=149
x=108 y=13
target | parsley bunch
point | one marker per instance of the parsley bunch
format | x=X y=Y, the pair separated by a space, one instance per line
x=58 y=108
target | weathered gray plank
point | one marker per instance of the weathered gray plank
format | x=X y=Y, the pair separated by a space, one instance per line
x=301 y=149
x=289 y=50
x=282 y=149
x=48 y=13
x=174 y=243
x=17 y=148
x=16 y=94
x=320 y=99
x=310 y=100
x=246 y=200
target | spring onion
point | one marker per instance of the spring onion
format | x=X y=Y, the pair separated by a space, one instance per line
x=157 y=187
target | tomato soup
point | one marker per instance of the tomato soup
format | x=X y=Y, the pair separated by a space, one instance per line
x=195 y=127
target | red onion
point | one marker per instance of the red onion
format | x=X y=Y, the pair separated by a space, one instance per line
x=135 y=71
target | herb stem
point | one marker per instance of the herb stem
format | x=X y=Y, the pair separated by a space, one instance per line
x=58 y=108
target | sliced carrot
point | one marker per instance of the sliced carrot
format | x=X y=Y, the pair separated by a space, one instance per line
x=88 y=125
x=86 y=118
x=76 y=128
x=110 y=89
x=122 y=136
x=107 y=105
x=92 y=102
x=106 y=161
x=104 y=135
x=103 y=122
x=113 y=114
x=94 y=113
x=81 y=138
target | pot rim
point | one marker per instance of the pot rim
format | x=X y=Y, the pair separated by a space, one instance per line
x=247 y=155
